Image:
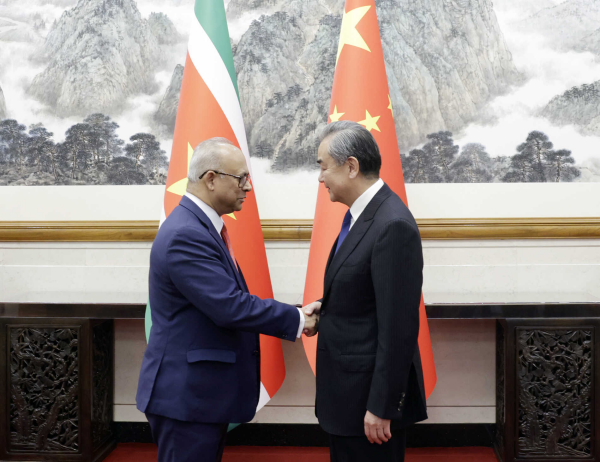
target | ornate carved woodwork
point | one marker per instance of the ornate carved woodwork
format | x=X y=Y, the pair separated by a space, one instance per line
x=554 y=373
x=44 y=386
x=547 y=384
x=102 y=383
x=500 y=393
x=57 y=377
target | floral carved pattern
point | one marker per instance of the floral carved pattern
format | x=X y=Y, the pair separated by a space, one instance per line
x=101 y=383
x=44 y=411
x=554 y=375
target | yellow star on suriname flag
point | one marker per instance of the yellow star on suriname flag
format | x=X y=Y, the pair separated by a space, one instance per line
x=180 y=187
x=370 y=122
x=336 y=115
x=349 y=35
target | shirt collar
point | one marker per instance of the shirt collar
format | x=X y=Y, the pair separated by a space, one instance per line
x=213 y=216
x=361 y=203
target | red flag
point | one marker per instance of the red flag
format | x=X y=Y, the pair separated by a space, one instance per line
x=209 y=107
x=360 y=93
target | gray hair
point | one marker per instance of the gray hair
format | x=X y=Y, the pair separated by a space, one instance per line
x=350 y=139
x=207 y=156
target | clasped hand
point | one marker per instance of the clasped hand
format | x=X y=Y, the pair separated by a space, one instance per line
x=311 y=318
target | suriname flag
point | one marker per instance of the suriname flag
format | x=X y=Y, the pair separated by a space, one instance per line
x=209 y=106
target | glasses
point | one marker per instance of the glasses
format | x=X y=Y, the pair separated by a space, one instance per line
x=241 y=179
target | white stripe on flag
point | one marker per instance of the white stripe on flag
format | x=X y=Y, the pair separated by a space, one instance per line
x=163 y=215
x=264 y=397
x=211 y=68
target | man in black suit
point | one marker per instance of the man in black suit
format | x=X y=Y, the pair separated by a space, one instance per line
x=369 y=375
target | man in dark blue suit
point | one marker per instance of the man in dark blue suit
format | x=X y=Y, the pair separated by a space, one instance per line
x=201 y=369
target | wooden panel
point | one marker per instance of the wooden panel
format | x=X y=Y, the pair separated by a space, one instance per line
x=57 y=389
x=539 y=407
x=294 y=230
x=76 y=231
x=510 y=228
x=287 y=230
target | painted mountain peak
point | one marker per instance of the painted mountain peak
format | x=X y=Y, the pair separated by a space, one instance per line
x=445 y=61
x=99 y=53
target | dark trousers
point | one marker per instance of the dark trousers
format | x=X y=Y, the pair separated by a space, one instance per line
x=180 y=441
x=358 y=448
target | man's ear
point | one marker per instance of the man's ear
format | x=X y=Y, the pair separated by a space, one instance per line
x=209 y=180
x=354 y=167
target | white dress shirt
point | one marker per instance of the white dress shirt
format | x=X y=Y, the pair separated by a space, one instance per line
x=361 y=203
x=218 y=223
x=212 y=215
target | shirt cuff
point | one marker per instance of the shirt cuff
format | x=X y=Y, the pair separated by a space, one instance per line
x=301 y=326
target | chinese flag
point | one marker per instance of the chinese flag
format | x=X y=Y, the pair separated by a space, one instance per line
x=360 y=93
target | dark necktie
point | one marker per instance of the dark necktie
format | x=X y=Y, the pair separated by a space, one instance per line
x=345 y=229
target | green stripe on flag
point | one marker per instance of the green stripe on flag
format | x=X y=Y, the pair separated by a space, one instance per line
x=211 y=16
x=148 y=321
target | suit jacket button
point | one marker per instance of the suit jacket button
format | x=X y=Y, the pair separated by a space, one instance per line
x=284 y=336
x=255 y=352
x=322 y=313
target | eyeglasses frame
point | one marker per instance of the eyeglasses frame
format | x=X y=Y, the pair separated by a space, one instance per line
x=240 y=178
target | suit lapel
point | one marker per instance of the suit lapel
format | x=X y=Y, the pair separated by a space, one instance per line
x=232 y=264
x=352 y=239
x=188 y=204
x=331 y=254
x=362 y=225
x=243 y=279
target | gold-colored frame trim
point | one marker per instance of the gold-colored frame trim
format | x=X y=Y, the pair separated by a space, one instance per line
x=300 y=230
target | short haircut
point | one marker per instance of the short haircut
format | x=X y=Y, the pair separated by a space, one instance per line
x=207 y=156
x=350 y=139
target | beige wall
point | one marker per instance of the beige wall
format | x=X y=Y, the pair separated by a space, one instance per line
x=294 y=197
x=464 y=350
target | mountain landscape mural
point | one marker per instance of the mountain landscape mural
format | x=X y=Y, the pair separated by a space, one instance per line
x=482 y=91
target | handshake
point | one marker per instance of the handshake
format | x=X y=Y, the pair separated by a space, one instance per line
x=311 y=318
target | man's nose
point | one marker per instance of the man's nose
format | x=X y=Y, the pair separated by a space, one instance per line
x=247 y=186
x=321 y=178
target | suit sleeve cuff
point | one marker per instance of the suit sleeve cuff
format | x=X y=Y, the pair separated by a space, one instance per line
x=301 y=326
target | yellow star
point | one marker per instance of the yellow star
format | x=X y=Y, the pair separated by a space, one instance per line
x=349 y=35
x=390 y=106
x=180 y=186
x=370 y=123
x=336 y=115
x=232 y=216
